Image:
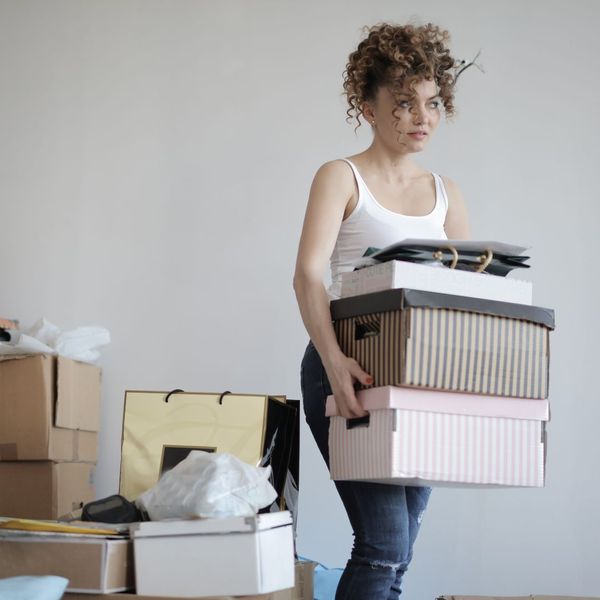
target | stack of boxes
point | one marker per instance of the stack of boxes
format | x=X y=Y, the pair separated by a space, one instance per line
x=48 y=435
x=197 y=557
x=49 y=419
x=460 y=372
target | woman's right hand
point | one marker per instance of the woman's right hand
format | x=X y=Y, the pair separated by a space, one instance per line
x=343 y=373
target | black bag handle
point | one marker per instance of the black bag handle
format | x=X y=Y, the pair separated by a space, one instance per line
x=180 y=391
x=175 y=391
x=223 y=395
x=358 y=422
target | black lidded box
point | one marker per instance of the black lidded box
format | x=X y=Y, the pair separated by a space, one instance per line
x=413 y=338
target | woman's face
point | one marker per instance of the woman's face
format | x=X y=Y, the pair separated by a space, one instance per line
x=410 y=125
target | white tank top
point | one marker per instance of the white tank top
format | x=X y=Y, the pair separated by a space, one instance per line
x=372 y=225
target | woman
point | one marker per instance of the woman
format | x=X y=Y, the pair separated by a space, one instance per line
x=398 y=80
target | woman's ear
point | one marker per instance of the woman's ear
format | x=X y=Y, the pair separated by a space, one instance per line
x=367 y=112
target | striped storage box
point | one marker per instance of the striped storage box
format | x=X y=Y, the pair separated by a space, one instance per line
x=425 y=339
x=419 y=437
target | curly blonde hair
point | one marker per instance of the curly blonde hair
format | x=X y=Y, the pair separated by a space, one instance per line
x=398 y=57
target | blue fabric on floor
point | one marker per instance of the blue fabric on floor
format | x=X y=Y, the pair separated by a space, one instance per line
x=325 y=580
x=33 y=588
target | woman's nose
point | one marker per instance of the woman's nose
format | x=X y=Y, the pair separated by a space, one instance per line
x=420 y=115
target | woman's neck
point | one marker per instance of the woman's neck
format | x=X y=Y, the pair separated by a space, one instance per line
x=387 y=164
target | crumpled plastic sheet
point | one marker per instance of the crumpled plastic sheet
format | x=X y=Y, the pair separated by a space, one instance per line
x=43 y=337
x=209 y=485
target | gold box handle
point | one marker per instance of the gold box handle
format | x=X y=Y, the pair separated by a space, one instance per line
x=484 y=259
x=439 y=255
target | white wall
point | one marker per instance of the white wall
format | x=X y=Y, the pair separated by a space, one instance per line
x=155 y=159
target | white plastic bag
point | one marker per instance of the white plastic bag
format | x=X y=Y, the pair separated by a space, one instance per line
x=44 y=331
x=82 y=343
x=43 y=337
x=212 y=485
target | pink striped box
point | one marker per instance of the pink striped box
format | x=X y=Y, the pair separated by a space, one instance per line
x=422 y=437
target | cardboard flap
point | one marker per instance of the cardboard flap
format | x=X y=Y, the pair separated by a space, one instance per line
x=77 y=395
x=447 y=402
x=398 y=299
x=26 y=401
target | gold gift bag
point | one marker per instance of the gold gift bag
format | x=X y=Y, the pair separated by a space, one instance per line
x=159 y=429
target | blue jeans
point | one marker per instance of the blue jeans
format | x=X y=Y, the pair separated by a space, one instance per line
x=385 y=519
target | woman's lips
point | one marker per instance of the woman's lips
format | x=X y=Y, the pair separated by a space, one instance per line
x=418 y=135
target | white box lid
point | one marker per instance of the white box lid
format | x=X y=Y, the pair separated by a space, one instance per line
x=211 y=526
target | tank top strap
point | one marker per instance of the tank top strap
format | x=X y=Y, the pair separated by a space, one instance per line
x=363 y=190
x=441 y=197
x=359 y=180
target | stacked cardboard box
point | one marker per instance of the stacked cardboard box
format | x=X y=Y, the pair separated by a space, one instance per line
x=172 y=558
x=48 y=432
x=460 y=382
x=91 y=564
x=49 y=419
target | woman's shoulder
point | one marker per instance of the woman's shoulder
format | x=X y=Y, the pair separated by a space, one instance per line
x=449 y=184
x=453 y=192
x=335 y=172
x=339 y=167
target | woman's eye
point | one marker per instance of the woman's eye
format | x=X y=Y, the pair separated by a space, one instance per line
x=435 y=104
x=404 y=104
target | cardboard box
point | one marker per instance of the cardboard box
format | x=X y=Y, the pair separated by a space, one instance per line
x=440 y=341
x=302 y=590
x=400 y=274
x=304 y=583
x=90 y=564
x=49 y=409
x=211 y=557
x=44 y=490
x=421 y=437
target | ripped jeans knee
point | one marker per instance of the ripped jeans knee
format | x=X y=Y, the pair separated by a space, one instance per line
x=400 y=566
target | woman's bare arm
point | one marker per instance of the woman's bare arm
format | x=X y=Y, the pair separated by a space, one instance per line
x=331 y=190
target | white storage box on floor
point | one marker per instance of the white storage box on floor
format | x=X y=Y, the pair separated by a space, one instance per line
x=214 y=557
x=422 y=437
